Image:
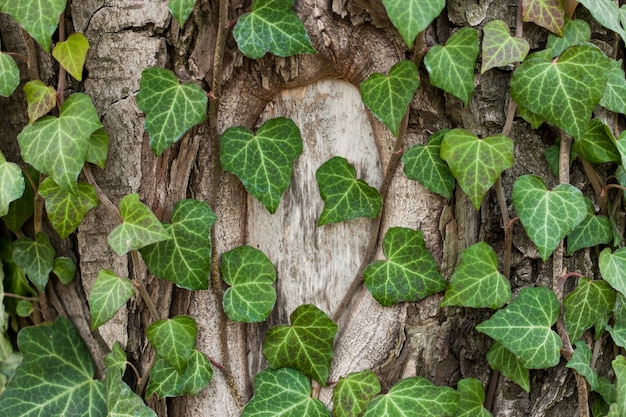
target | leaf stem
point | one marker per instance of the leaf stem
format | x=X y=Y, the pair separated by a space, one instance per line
x=31 y=50
x=599 y=188
x=20 y=297
x=62 y=74
x=104 y=199
x=143 y=292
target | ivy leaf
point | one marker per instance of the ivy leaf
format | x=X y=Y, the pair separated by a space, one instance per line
x=614 y=98
x=66 y=209
x=39 y=18
x=471 y=399
x=476 y=163
x=41 y=99
x=271 y=26
x=501 y=359
x=529 y=316
x=500 y=48
x=414 y=397
x=251 y=276
x=590 y=303
x=11 y=184
x=613 y=268
x=563 y=92
x=619 y=366
x=108 y=294
x=64 y=268
x=548 y=14
x=388 y=97
x=171 y=108
x=344 y=196
x=423 y=163
x=547 y=216
x=116 y=359
x=580 y=363
x=533 y=119
x=451 y=67
x=409 y=274
x=607 y=14
x=575 y=32
x=174 y=340
x=181 y=10
x=71 y=54
x=166 y=381
x=592 y=231
x=597 y=145
x=185 y=259
x=618 y=330
x=283 y=392
x=306 y=345
x=36 y=258
x=9 y=75
x=263 y=163
x=351 y=394
x=140 y=228
x=411 y=17
x=98 y=148
x=22 y=209
x=476 y=281
x=121 y=401
x=56 y=375
x=58 y=146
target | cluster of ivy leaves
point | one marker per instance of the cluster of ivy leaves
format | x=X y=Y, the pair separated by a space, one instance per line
x=561 y=85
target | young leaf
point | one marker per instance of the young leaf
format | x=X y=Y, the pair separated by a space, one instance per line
x=344 y=196
x=351 y=394
x=11 y=184
x=98 y=148
x=66 y=209
x=614 y=98
x=181 y=9
x=174 y=340
x=575 y=32
x=548 y=14
x=39 y=18
x=388 y=97
x=306 y=345
x=263 y=163
x=64 y=268
x=592 y=231
x=71 y=54
x=409 y=274
x=476 y=281
x=36 y=258
x=476 y=163
x=116 y=359
x=171 y=108
x=580 y=362
x=271 y=26
x=411 y=17
x=471 y=399
x=41 y=99
x=9 y=75
x=547 y=216
x=166 y=381
x=607 y=14
x=500 y=48
x=597 y=145
x=121 y=401
x=251 y=276
x=24 y=308
x=619 y=366
x=108 y=294
x=613 y=268
x=451 y=67
x=22 y=209
x=501 y=359
x=590 y=303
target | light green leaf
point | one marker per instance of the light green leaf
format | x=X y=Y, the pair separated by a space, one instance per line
x=283 y=392
x=618 y=330
x=476 y=281
x=547 y=216
x=71 y=54
x=58 y=146
x=590 y=303
x=471 y=399
x=344 y=196
x=11 y=184
x=24 y=308
x=607 y=14
x=619 y=366
x=98 y=148
x=140 y=228
x=35 y=258
x=614 y=98
x=64 y=268
x=271 y=26
x=563 y=92
x=66 y=209
x=39 y=18
x=181 y=10
x=351 y=394
x=22 y=209
x=613 y=268
x=592 y=231
x=621 y=147
x=451 y=67
x=9 y=74
x=580 y=363
x=411 y=17
x=56 y=375
x=529 y=316
x=388 y=97
x=597 y=145
x=171 y=108
x=306 y=345
x=185 y=259
x=533 y=119
x=108 y=294
x=116 y=359
x=174 y=340
x=263 y=163
x=166 y=381
x=121 y=401
x=548 y=14
x=501 y=359
x=41 y=99
x=251 y=276
x=500 y=48
x=576 y=32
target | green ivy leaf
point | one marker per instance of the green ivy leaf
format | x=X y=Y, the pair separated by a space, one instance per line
x=529 y=316
x=108 y=294
x=9 y=75
x=563 y=92
x=263 y=163
x=58 y=146
x=423 y=163
x=344 y=196
x=283 y=392
x=71 y=54
x=41 y=99
x=501 y=359
x=411 y=17
x=56 y=375
x=590 y=303
x=409 y=274
x=619 y=366
x=11 y=184
x=547 y=216
x=181 y=10
x=575 y=32
x=116 y=359
x=98 y=148
x=618 y=330
x=121 y=401
x=580 y=363
x=607 y=14
x=592 y=231
x=271 y=26
x=306 y=345
x=471 y=399
x=548 y=14
x=476 y=281
x=185 y=259
x=388 y=97
x=66 y=209
x=174 y=340
x=251 y=276
x=533 y=119
x=597 y=145
x=166 y=381
x=64 y=268
x=171 y=108
x=500 y=48
x=614 y=98
x=613 y=268
x=35 y=258
x=24 y=308
x=39 y=18
x=414 y=397
x=351 y=394
x=140 y=228
x=22 y=209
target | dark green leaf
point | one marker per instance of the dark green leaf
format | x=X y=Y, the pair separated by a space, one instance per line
x=71 y=54
x=41 y=99
x=576 y=32
x=9 y=74
x=613 y=268
x=590 y=303
x=64 y=268
x=607 y=14
x=174 y=340
x=351 y=394
x=614 y=97
x=121 y=400
x=66 y=209
x=11 y=184
x=548 y=14
x=39 y=18
x=501 y=359
x=35 y=258
x=181 y=9
x=108 y=294
x=619 y=366
x=471 y=399
x=500 y=48
x=533 y=119
x=580 y=363
x=166 y=381
x=597 y=145
x=592 y=231
x=411 y=17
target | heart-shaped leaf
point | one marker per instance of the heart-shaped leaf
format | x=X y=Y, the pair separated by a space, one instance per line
x=35 y=258
x=271 y=26
x=66 y=209
x=121 y=401
x=351 y=394
x=11 y=184
x=171 y=108
x=451 y=67
x=71 y=54
x=471 y=399
x=41 y=99
x=597 y=145
x=388 y=97
x=181 y=9
x=64 y=268
x=547 y=216
x=174 y=340
x=607 y=14
x=548 y=14
x=9 y=75
x=22 y=209
x=529 y=316
x=619 y=407
x=580 y=362
x=614 y=97
x=476 y=163
x=283 y=392
x=39 y=18
x=476 y=281
x=409 y=274
x=563 y=92
x=613 y=268
x=411 y=17
x=575 y=32
x=263 y=163
x=185 y=259
x=166 y=381
x=98 y=148
x=501 y=359
x=108 y=294
x=590 y=303
x=306 y=345
x=344 y=196
x=251 y=276
x=58 y=146
x=592 y=231
x=116 y=359
x=500 y=48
